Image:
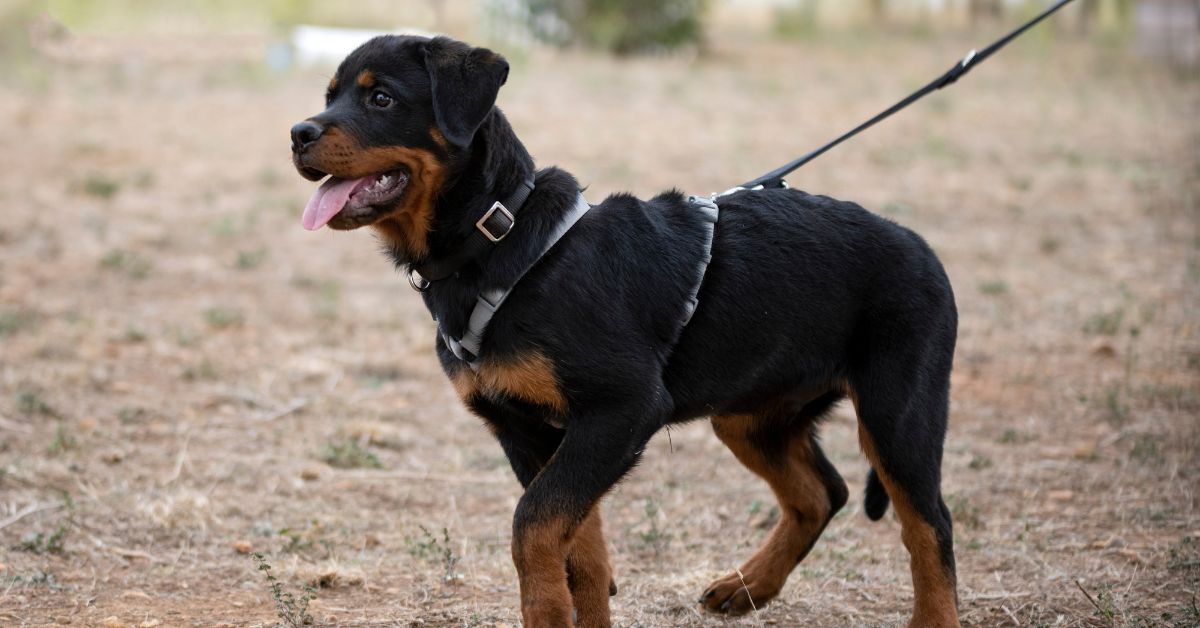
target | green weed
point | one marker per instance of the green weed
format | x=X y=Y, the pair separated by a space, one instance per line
x=127 y=263
x=42 y=544
x=427 y=547
x=13 y=321
x=31 y=403
x=223 y=317
x=100 y=186
x=1117 y=410
x=249 y=260
x=292 y=611
x=994 y=288
x=63 y=440
x=1104 y=323
x=349 y=454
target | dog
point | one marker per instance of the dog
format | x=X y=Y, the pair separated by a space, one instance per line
x=640 y=315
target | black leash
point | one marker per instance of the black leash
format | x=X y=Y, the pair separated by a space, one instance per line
x=774 y=179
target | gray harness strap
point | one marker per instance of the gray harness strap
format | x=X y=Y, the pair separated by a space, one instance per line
x=489 y=301
x=711 y=212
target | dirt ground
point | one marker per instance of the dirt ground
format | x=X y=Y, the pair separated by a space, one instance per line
x=188 y=377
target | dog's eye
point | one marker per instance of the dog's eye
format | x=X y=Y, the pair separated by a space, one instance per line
x=381 y=99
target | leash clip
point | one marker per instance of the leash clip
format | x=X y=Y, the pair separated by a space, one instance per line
x=968 y=59
x=783 y=185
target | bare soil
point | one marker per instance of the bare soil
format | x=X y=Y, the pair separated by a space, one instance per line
x=187 y=376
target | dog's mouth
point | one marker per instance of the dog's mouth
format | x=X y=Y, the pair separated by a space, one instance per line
x=351 y=203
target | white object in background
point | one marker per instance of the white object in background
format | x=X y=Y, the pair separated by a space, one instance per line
x=317 y=45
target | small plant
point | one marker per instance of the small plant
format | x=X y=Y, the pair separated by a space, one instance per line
x=63 y=440
x=1049 y=245
x=37 y=578
x=349 y=454
x=30 y=403
x=100 y=186
x=221 y=317
x=980 y=462
x=292 y=611
x=249 y=260
x=1145 y=450
x=655 y=537
x=128 y=263
x=13 y=321
x=1104 y=323
x=994 y=288
x=428 y=547
x=1118 y=410
x=42 y=544
x=964 y=512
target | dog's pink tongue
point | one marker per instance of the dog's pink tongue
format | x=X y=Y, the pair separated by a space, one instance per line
x=328 y=200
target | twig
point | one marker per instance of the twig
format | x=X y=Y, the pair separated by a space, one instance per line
x=132 y=553
x=295 y=405
x=187 y=437
x=1010 y=615
x=8 y=424
x=29 y=510
x=1089 y=597
x=746 y=589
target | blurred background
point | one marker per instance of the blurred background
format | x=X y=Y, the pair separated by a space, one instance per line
x=188 y=378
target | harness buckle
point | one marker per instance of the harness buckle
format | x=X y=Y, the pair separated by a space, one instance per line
x=486 y=230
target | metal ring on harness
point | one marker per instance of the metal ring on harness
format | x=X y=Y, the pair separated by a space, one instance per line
x=418 y=283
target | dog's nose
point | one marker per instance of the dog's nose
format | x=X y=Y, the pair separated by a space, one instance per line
x=305 y=133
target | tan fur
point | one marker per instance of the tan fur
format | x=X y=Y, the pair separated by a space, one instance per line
x=529 y=377
x=804 y=507
x=365 y=79
x=407 y=228
x=591 y=573
x=936 y=597
x=436 y=135
x=333 y=83
x=540 y=554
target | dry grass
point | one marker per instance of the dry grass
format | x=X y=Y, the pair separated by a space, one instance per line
x=186 y=376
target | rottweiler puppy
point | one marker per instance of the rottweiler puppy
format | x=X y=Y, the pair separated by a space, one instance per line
x=806 y=301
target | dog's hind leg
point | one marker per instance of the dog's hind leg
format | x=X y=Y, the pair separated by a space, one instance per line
x=783 y=450
x=902 y=410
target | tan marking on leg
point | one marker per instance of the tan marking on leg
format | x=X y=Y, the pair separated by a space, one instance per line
x=529 y=377
x=540 y=555
x=935 y=593
x=365 y=79
x=591 y=573
x=804 y=510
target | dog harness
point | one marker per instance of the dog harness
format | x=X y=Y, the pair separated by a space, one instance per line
x=467 y=348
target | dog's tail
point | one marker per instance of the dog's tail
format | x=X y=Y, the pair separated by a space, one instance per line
x=876 y=500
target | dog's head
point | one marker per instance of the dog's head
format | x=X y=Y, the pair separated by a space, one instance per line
x=400 y=113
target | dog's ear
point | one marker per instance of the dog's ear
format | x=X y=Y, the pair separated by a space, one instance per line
x=464 y=81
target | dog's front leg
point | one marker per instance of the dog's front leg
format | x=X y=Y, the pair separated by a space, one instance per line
x=595 y=453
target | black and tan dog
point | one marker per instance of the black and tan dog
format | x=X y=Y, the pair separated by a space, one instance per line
x=806 y=301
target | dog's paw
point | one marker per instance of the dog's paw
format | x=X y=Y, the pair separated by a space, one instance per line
x=734 y=595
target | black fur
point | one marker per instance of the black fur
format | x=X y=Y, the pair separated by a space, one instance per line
x=807 y=299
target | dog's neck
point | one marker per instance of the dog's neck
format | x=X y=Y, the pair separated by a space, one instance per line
x=495 y=165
